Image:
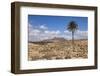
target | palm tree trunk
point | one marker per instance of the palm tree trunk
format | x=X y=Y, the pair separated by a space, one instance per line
x=73 y=40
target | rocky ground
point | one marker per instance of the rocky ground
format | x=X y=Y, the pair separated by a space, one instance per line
x=58 y=50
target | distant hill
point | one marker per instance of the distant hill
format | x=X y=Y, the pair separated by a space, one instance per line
x=55 y=39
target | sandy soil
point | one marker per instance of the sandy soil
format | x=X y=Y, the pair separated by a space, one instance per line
x=58 y=50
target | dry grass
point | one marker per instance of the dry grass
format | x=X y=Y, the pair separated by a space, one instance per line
x=57 y=50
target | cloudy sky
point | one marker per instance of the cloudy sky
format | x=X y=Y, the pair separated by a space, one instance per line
x=42 y=27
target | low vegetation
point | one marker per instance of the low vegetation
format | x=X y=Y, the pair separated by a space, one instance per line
x=57 y=50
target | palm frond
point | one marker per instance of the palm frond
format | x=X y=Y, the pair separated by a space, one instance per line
x=72 y=26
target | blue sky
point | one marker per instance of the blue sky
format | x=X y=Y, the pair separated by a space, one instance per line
x=56 y=23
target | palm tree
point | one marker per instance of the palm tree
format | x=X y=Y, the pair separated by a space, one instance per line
x=72 y=27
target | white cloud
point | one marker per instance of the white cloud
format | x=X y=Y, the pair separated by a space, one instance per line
x=81 y=34
x=77 y=35
x=52 y=32
x=43 y=27
x=38 y=33
x=42 y=32
x=30 y=27
x=34 y=32
x=66 y=31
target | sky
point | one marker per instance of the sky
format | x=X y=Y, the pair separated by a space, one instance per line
x=41 y=27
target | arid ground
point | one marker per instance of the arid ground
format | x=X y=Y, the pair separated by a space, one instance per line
x=61 y=49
